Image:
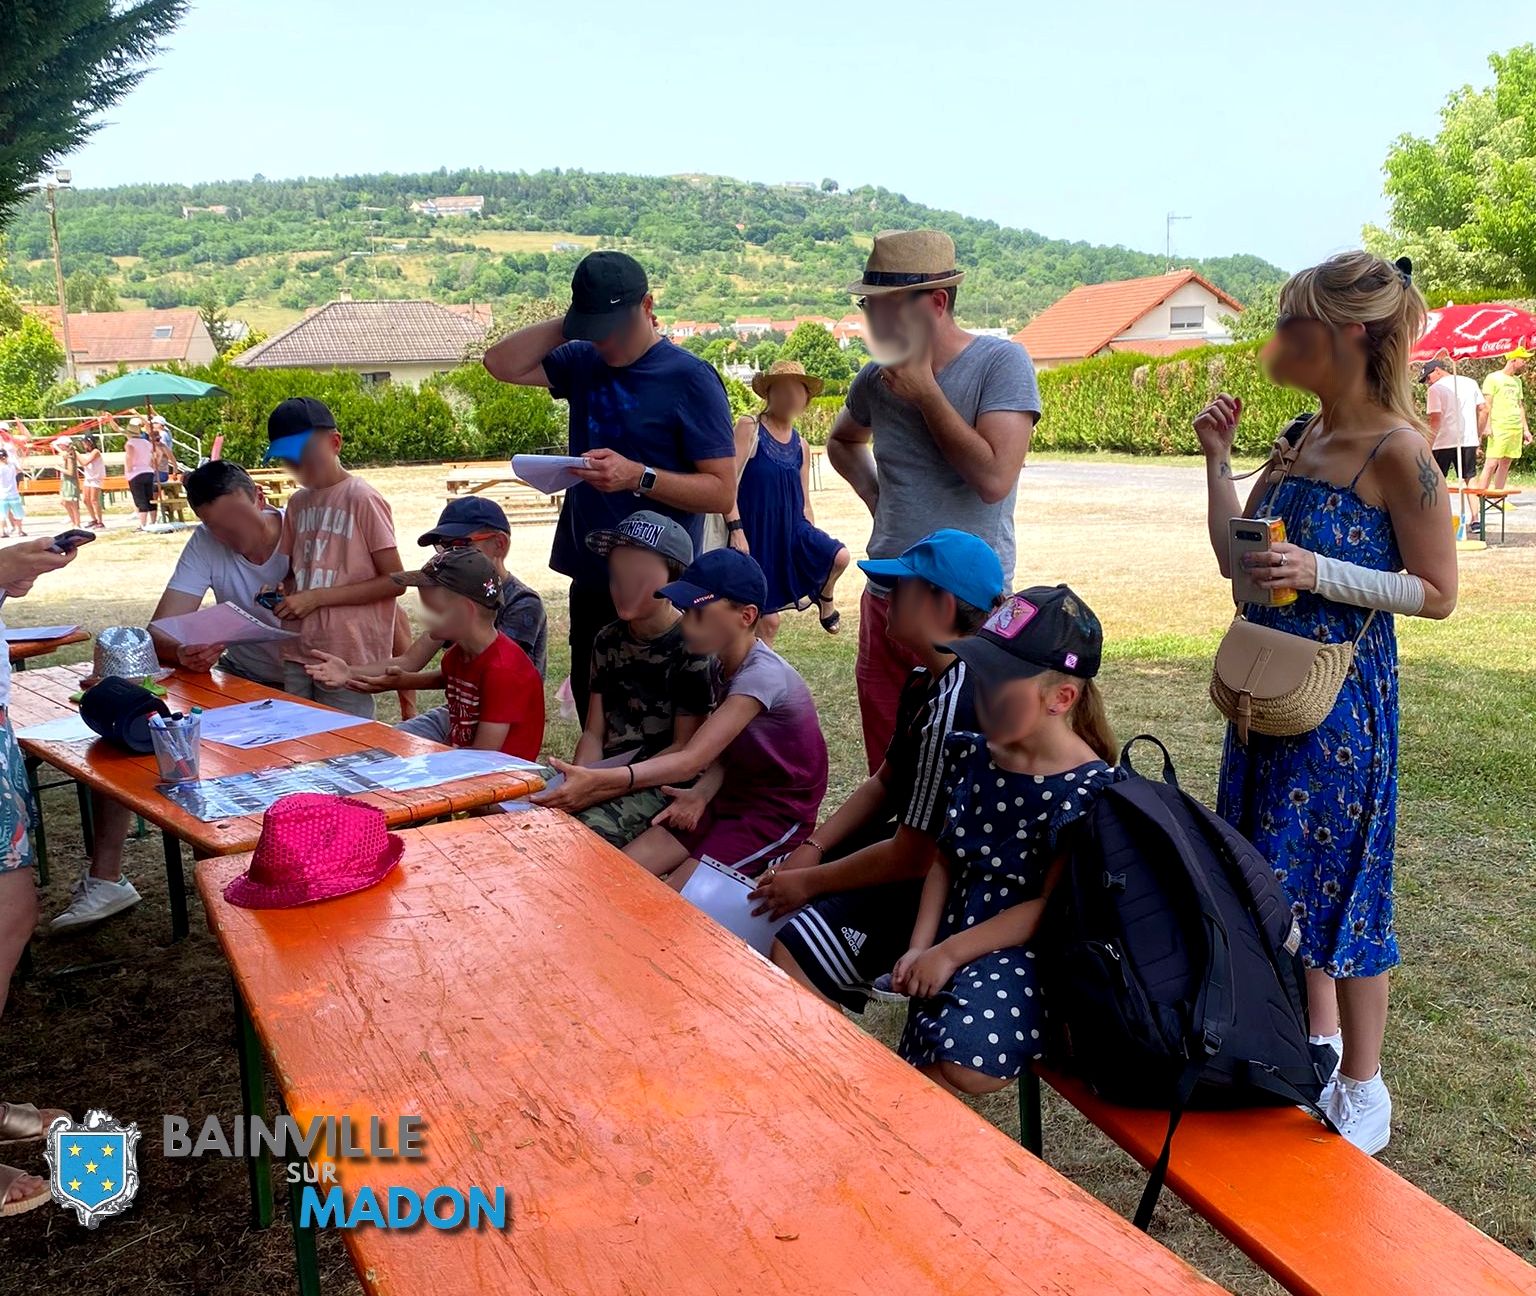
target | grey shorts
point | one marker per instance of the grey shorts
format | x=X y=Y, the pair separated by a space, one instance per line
x=433 y=725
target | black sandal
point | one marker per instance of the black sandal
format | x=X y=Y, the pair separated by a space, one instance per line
x=831 y=623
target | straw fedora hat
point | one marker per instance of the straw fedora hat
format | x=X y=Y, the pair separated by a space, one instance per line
x=782 y=369
x=903 y=260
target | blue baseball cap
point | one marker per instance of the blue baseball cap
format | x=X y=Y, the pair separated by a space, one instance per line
x=956 y=561
x=291 y=425
x=718 y=574
x=469 y=515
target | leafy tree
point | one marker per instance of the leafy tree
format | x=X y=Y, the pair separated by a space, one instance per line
x=829 y=186
x=762 y=356
x=251 y=338
x=1259 y=314
x=815 y=348
x=30 y=362
x=215 y=321
x=1463 y=205
x=10 y=309
x=86 y=291
x=61 y=64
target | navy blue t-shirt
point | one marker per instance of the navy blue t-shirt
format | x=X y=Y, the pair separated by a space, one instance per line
x=668 y=410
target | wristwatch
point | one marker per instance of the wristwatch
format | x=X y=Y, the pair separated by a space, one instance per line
x=734 y=525
x=647 y=481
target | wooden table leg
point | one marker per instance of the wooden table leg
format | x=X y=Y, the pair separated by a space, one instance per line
x=304 y=1258
x=253 y=1102
x=176 y=885
x=1031 y=1132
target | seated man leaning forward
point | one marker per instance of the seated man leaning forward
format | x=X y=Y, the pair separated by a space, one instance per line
x=495 y=696
x=235 y=553
x=649 y=694
x=472 y=524
x=760 y=758
x=859 y=901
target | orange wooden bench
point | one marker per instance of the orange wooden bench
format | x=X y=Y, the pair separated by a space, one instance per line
x=1306 y=1206
x=667 y=1111
x=50 y=486
x=1488 y=501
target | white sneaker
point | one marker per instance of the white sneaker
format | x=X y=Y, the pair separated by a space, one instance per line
x=94 y=899
x=1336 y=1043
x=1362 y=1109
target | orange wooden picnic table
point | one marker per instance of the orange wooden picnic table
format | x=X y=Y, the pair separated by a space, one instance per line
x=666 y=1110
x=21 y=651
x=37 y=696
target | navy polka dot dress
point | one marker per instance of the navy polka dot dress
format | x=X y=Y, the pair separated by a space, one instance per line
x=1000 y=839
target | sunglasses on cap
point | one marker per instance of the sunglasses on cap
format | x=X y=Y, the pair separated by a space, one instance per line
x=451 y=543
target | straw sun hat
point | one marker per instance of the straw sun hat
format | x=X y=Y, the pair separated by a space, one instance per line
x=904 y=260
x=782 y=369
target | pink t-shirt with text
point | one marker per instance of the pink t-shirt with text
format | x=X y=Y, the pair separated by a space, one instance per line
x=331 y=536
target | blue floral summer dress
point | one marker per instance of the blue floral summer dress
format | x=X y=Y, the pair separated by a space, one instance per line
x=1322 y=807
x=1000 y=839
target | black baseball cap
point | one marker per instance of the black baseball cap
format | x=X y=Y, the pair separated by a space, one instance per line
x=1431 y=369
x=646 y=529
x=604 y=289
x=291 y=424
x=463 y=571
x=718 y=574
x=467 y=516
x=1046 y=628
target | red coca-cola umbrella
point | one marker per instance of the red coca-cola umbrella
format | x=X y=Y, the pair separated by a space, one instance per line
x=1474 y=332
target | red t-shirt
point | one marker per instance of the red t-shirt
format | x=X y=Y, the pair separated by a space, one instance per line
x=500 y=686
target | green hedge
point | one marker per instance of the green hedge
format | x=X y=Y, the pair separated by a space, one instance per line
x=464 y=414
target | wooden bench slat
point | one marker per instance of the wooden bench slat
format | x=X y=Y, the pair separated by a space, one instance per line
x=1306 y=1206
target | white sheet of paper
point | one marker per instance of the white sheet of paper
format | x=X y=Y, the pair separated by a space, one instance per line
x=723 y=896
x=547 y=473
x=223 y=623
x=27 y=634
x=70 y=728
x=554 y=779
x=259 y=724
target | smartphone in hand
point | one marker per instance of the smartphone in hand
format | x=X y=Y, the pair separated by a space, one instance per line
x=269 y=599
x=1254 y=535
x=68 y=540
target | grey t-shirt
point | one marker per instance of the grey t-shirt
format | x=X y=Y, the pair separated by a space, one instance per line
x=920 y=491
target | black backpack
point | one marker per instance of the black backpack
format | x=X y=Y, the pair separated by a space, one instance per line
x=1171 y=962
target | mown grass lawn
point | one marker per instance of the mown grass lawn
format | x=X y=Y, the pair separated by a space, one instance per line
x=150 y=1032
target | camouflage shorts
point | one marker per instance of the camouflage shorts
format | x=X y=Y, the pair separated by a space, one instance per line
x=624 y=818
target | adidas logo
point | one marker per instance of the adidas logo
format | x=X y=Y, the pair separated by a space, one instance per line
x=855 y=939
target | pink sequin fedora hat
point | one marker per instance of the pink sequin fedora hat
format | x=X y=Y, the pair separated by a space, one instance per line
x=314 y=847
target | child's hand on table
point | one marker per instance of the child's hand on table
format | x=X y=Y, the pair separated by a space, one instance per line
x=923 y=973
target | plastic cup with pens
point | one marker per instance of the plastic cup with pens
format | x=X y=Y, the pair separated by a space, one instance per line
x=178 y=745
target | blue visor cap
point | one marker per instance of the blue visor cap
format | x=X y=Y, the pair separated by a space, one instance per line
x=956 y=561
x=290 y=448
x=718 y=574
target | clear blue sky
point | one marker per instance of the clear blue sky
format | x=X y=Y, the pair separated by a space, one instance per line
x=1267 y=125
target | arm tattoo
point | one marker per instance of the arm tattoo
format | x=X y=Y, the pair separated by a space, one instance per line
x=1429 y=481
x=1225 y=468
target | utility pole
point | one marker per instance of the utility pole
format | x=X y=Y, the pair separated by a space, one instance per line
x=60 y=180
x=1168 y=242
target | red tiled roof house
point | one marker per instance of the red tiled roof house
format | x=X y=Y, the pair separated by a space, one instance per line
x=1154 y=316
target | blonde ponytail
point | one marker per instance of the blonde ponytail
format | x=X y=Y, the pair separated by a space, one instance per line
x=1090 y=720
x=1359 y=288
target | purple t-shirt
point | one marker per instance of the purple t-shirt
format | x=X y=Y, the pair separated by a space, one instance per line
x=776 y=768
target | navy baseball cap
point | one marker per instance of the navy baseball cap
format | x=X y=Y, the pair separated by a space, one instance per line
x=465 y=517
x=1046 y=628
x=956 y=561
x=1432 y=368
x=718 y=574
x=605 y=287
x=292 y=423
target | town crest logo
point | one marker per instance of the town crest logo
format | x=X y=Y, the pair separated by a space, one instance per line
x=93 y=1166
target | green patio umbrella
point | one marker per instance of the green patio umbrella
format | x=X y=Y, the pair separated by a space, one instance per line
x=147 y=387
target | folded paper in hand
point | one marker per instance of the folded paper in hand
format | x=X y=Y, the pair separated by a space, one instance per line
x=548 y=473
x=223 y=623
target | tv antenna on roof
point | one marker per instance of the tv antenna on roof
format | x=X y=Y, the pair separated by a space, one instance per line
x=1168 y=241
